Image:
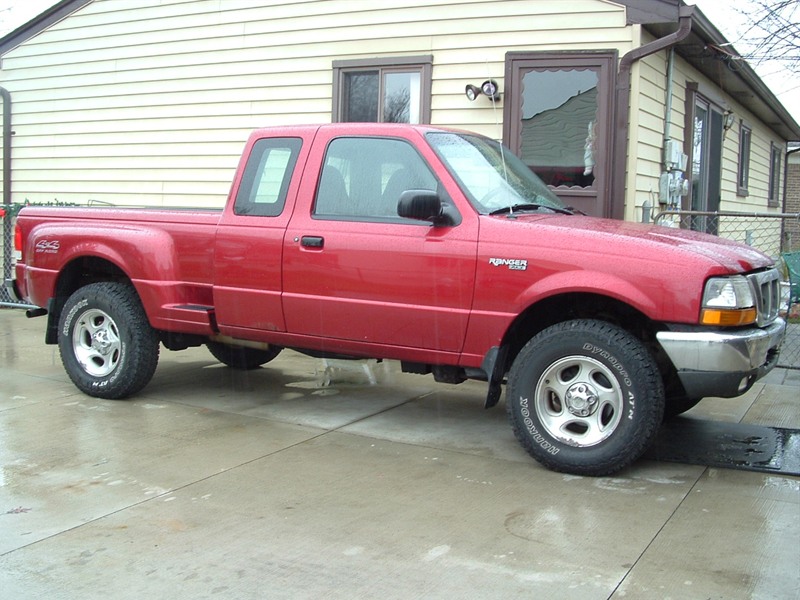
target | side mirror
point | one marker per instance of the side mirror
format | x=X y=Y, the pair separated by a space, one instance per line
x=425 y=205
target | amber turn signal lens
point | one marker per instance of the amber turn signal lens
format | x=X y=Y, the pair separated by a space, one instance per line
x=728 y=317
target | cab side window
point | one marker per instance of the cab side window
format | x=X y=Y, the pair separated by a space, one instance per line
x=262 y=191
x=363 y=179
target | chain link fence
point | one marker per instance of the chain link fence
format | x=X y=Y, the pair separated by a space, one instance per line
x=7 y=213
x=775 y=234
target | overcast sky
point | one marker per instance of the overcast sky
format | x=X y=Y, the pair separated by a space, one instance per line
x=783 y=83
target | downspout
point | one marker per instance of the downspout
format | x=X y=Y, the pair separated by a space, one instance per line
x=668 y=85
x=623 y=101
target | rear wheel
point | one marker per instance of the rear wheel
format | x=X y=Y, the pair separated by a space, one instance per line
x=107 y=345
x=585 y=397
x=241 y=357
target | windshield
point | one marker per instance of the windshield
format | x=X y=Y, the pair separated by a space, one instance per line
x=492 y=177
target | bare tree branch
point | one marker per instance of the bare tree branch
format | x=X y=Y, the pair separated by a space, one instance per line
x=773 y=32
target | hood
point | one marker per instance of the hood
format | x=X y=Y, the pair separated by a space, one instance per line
x=637 y=239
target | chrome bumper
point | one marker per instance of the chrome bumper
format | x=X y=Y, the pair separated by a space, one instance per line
x=726 y=364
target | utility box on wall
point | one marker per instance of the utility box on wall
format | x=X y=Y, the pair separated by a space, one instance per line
x=672 y=184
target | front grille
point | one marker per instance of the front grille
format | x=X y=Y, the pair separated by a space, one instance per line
x=767 y=288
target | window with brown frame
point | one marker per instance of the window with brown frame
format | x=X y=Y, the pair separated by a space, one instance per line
x=387 y=90
x=775 y=155
x=743 y=181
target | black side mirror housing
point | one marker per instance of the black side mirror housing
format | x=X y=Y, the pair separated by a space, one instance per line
x=425 y=205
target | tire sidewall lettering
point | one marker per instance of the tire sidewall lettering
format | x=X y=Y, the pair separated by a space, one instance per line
x=629 y=395
x=110 y=379
x=529 y=425
x=66 y=330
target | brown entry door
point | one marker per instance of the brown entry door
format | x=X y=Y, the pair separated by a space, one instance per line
x=557 y=119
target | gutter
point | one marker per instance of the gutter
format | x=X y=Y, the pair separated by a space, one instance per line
x=622 y=102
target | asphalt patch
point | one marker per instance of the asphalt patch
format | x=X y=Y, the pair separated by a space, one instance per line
x=728 y=446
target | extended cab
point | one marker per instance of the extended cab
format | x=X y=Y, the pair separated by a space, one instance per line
x=434 y=247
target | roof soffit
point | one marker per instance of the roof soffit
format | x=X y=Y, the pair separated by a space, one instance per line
x=708 y=51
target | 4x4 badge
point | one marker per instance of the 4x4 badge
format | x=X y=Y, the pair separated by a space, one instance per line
x=48 y=246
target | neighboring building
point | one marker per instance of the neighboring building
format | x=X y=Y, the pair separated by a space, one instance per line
x=149 y=102
x=791 y=231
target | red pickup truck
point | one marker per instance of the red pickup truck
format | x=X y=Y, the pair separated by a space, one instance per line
x=433 y=247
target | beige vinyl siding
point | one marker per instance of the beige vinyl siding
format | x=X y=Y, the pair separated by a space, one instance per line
x=756 y=200
x=151 y=101
x=648 y=125
x=648 y=108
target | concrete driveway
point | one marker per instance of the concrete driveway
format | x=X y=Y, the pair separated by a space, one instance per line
x=306 y=480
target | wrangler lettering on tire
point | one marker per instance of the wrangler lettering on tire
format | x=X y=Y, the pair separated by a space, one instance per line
x=108 y=347
x=585 y=397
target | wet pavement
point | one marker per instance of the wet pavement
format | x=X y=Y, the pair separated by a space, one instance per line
x=213 y=483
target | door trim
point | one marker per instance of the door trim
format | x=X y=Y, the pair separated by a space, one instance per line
x=605 y=62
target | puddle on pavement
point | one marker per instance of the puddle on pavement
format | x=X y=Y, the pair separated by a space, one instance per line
x=728 y=445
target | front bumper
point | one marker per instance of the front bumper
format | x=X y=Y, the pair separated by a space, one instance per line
x=723 y=364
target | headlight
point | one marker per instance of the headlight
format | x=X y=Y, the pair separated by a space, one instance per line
x=728 y=301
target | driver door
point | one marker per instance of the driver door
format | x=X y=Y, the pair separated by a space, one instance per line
x=354 y=270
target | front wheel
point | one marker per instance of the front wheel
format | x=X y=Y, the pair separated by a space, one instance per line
x=107 y=345
x=585 y=397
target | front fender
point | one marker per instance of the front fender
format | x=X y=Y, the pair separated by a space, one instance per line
x=489 y=326
x=649 y=302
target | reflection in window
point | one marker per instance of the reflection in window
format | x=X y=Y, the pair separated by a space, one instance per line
x=384 y=96
x=401 y=98
x=363 y=178
x=699 y=167
x=361 y=97
x=774 y=175
x=559 y=125
x=706 y=156
x=265 y=181
x=743 y=182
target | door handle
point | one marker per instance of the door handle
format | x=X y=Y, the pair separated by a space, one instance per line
x=312 y=241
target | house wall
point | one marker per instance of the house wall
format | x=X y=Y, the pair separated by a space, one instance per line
x=647 y=124
x=648 y=109
x=151 y=101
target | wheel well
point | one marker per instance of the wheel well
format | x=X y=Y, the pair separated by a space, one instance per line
x=567 y=307
x=76 y=274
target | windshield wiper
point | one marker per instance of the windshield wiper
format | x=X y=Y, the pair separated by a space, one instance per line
x=529 y=206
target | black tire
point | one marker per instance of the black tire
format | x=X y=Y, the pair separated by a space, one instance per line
x=107 y=345
x=240 y=357
x=585 y=397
